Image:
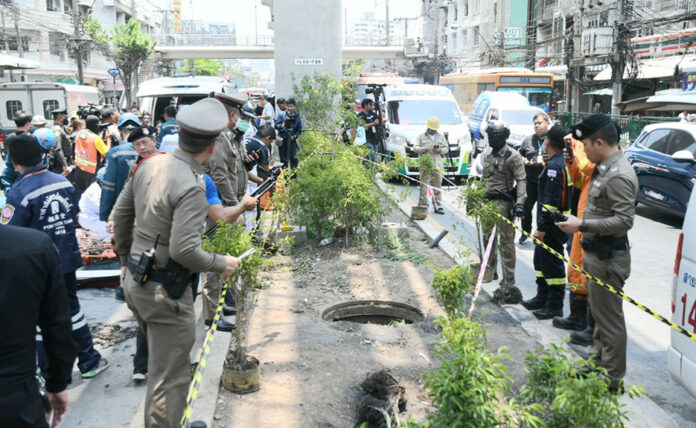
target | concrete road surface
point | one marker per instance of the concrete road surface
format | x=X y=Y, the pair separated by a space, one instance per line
x=654 y=241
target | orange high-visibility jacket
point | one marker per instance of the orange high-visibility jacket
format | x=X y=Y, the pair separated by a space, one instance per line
x=580 y=171
x=88 y=147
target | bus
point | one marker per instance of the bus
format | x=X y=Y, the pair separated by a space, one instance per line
x=466 y=87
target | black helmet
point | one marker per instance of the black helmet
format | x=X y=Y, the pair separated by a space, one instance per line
x=248 y=110
x=497 y=127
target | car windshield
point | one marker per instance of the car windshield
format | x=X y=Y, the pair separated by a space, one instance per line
x=519 y=117
x=416 y=112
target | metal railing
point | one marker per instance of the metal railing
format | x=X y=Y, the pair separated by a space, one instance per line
x=631 y=126
x=260 y=40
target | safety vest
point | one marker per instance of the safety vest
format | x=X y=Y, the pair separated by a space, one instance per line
x=86 y=155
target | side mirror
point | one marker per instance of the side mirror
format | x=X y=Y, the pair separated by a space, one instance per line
x=684 y=156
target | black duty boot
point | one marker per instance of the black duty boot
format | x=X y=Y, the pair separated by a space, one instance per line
x=229 y=298
x=577 y=320
x=538 y=301
x=585 y=337
x=554 y=303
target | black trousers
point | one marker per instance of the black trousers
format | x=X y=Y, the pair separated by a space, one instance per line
x=141 y=354
x=532 y=195
x=550 y=271
x=81 y=180
x=21 y=407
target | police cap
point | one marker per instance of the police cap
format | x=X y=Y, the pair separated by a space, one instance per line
x=204 y=119
x=63 y=111
x=590 y=125
x=139 y=133
x=556 y=133
x=236 y=100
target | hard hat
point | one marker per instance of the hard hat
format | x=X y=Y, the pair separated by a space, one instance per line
x=433 y=123
x=497 y=127
x=129 y=119
x=248 y=110
x=46 y=138
x=38 y=120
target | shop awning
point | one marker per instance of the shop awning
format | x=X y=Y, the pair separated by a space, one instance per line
x=671 y=101
x=603 y=91
x=653 y=68
x=9 y=62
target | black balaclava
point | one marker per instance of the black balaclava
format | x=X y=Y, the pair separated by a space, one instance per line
x=92 y=123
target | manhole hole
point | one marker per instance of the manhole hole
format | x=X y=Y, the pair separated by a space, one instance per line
x=372 y=312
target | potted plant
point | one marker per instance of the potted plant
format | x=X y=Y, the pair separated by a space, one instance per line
x=241 y=371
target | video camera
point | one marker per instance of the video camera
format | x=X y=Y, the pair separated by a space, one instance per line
x=87 y=110
x=290 y=119
x=376 y=89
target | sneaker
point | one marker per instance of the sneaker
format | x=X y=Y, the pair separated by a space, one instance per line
x=102 y=365
x=523 y=239
x=139 y=377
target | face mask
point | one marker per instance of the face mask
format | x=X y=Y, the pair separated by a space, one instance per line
x=496 y=142
x=243 y=126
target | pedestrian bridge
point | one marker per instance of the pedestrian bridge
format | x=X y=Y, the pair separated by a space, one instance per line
x=222 y=46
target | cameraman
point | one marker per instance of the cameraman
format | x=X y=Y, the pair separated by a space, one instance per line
x=371 y=121
x=290 y=131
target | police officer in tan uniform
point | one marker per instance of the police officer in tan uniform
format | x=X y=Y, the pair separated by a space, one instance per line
x=607 y=218
x=164 y=206
x=430 y=144
x=503 y=169
x=227 y=169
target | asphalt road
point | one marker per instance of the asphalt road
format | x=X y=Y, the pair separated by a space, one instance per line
x=654 y=241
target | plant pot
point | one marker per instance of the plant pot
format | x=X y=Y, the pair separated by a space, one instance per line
x=241 y=379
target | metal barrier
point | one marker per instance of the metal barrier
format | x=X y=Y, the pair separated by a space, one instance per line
x=631 y=126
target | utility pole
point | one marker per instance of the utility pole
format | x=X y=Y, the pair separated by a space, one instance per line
x=6 y=39
x=617 y=59
x=20 y=45
x=77 y=40
x=386 y=22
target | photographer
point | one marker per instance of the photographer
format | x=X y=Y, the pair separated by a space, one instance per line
x=290 y=131
x=371 y=121
x=433 y=144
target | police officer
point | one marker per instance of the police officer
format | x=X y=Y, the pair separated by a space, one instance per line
x=503 y=169
x=45 y=201
x=60 y=119
x=165 y=202
x=554 y=196
x=227 y=169
x=33 y=293
x=430 y=144
x=607 y=218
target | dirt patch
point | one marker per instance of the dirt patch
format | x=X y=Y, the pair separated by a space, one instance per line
x=106 y=335
x=311 y=369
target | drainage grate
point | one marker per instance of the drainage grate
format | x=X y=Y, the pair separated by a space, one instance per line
x=372 y=312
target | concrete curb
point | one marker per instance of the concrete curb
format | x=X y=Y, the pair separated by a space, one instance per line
x=642 y=411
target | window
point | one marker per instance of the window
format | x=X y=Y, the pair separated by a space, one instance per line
x=51 y=5
x=13 y=106
x=680 y=140
x=56 y=44
x=466 y=8
x=412 y=112
x=476 y=36
x=49 y=106
x=657 y=140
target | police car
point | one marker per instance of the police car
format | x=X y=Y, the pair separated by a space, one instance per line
x=681 y=356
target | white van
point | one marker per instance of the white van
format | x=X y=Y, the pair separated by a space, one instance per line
x=156 y=94
x=408 y=107
x=681 y=356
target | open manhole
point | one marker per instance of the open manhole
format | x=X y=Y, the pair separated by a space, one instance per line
x=372 y=312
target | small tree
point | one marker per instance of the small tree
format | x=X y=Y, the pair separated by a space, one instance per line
x=130 y=47
x=205 y=67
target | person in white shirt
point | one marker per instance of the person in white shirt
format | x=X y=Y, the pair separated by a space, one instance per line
x=89 y=209
x=268 y=115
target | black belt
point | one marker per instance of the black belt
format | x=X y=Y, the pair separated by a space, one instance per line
x=161 y=276
x=497 y=197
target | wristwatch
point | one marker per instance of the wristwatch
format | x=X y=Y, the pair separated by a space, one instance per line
x=583 y=226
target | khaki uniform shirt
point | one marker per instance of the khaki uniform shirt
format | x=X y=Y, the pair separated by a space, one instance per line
x=239 y=150
x=502 y=173
x=424 y=140
x=222 y=168
x=165 y=197
x=611 y=199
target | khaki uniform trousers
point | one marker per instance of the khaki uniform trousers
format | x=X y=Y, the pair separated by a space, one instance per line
x=170 y=329
x=433 y=179
x=212 y=287
x=607 y=310
x=504 y=243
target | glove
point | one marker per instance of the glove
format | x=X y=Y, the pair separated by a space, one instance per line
x=518 y=210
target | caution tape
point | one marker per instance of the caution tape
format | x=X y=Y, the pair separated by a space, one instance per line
x=482 y=271
x=200 y=369
x=601 y=283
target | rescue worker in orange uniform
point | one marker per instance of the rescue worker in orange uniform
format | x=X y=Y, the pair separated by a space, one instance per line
x=90 y=149
x=580 y=171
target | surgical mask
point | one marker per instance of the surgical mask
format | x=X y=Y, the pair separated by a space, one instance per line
x=243 y=126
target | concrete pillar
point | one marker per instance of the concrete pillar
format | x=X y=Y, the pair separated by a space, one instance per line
x=307 y=40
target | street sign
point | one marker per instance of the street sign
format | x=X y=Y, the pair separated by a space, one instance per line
x=113 y=72
x=309 y=61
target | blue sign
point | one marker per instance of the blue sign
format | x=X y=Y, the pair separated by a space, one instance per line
x=689 y=82
x=113 y=72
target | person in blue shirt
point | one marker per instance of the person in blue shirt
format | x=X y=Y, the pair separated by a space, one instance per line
x=290 y=130
x=170 y=126
x=45 y=201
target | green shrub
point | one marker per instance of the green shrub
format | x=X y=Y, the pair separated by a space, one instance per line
x=483 y=210
x=451 y=285
x=568 y=399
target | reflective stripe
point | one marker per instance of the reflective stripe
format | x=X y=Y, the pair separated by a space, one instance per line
x=539 y=274
x=85 y=162
x=124 y=153
x=79 y=325
x=555 y=281
x=77 y=316
x=550 y=208
x=39 y=338
x=45 y=189
x=569 y=178
x=577 y=288
x=583 y=162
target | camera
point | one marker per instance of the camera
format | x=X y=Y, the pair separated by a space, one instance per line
x=290 y=120
x=87 y=110
x=375 y=89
